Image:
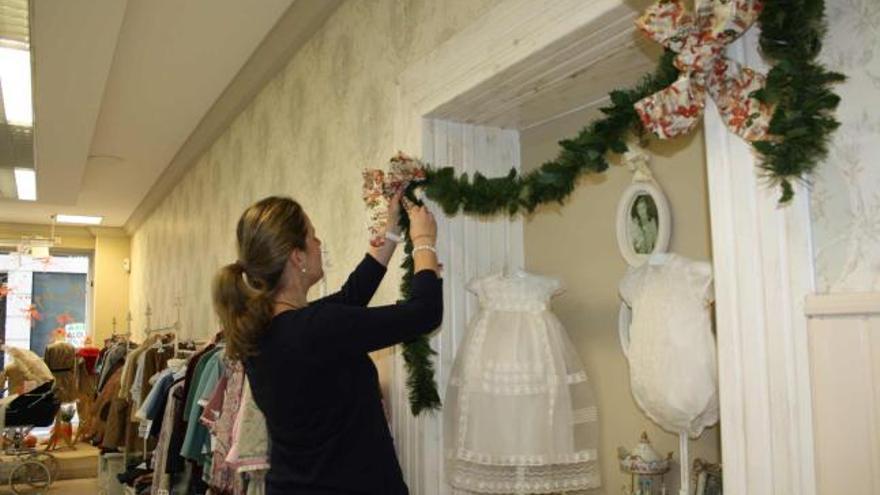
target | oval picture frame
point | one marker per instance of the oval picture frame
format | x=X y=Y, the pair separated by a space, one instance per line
x=644 y=223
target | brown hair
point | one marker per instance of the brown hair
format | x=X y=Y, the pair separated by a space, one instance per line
x=267 y=232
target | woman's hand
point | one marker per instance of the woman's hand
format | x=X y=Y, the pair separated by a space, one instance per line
x=422 y=226
x=423 y=232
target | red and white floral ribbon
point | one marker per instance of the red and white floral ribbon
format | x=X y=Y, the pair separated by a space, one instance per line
x=699 y=40
x=380 y=187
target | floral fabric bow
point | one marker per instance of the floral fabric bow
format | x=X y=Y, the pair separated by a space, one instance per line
x=380 y=187
x=699 y=41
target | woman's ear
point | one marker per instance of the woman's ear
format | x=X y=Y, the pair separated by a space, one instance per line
x=297 y=258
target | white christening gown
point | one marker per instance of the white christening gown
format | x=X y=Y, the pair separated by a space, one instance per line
x=672 y=357
x=520 y=416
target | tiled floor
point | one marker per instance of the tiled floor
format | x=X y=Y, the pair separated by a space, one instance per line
x=77 y=471
x=65 y=487
x=74 y=487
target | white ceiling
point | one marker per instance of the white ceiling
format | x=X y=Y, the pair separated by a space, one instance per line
x=119 y=86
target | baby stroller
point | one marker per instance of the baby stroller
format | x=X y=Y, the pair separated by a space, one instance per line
x=29 y=471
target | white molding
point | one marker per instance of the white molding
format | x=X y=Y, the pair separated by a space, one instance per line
x=841 y=304
x=762 y=258
x=845 y=366
x=514 y=34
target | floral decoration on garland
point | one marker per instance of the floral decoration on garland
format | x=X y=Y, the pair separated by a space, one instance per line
x=699 y=46
x=380 y=187
x=795 y=139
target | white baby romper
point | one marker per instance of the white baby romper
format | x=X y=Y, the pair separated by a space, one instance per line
x=672 y=356
x=520 y=416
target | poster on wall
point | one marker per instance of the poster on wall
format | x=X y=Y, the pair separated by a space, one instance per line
x=60 y=301
x=76 y=334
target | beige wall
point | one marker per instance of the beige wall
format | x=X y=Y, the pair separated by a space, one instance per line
x=308 y=134
x=111 y=284
x=577 y=243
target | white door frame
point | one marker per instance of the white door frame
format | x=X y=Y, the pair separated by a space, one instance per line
x=761 y=253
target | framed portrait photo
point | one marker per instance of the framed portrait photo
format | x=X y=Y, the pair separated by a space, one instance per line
x=643 y=222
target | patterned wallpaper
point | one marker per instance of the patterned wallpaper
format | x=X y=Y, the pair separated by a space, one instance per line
x=308 y=134
x=846 y=194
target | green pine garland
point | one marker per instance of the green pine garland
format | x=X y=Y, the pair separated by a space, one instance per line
x=800 y=87
x=801 y=127
x=417 y=353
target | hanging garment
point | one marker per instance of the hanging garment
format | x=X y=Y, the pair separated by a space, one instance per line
x=86 y=387
x=90 y=357
x=134 y=392
x=129 y=369
x=99 y=364
x=250 y=438
x=60 y=357
x=196 y=433
x=219 y=417
x=102 y=419
x=113 y=358
x=672 y=356
x=151 y=402
x=520 y=416
x=161 y=480
x=86 y=381
x=175 y=465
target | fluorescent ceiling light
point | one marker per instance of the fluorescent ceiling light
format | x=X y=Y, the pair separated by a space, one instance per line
x=15 y=82
x=79 y=219
x=26 y=184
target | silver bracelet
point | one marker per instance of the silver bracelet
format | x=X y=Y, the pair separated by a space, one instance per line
x=424 y=247
x=391 y=236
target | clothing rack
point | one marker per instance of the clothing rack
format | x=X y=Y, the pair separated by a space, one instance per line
x=115 y=334
x=148 y=330
x=173 y=329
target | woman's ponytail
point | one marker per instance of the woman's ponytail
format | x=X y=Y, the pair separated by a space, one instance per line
x=243 y=311
x=243 y=291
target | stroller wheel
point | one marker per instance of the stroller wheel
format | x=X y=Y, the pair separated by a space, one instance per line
x=48 y=460
x=29 y=477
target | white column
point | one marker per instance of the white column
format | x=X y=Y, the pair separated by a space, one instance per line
x=763 y=271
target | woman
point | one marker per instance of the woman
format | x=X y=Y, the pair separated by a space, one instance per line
x=307 y=362
x=643 y=227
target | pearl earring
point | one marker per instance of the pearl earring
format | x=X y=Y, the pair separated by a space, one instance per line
x=303 y=269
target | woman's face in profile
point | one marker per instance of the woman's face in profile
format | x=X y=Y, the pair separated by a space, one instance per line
x=314 y=263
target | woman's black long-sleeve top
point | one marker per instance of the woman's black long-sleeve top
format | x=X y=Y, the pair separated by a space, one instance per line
x=319 y=390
